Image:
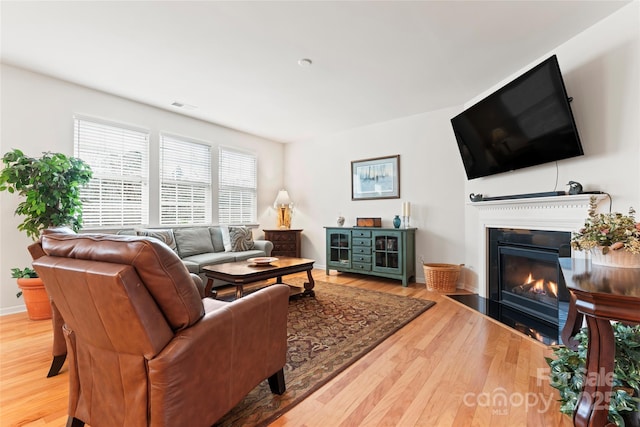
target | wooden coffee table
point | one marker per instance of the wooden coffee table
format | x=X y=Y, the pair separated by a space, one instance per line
x=240 y=273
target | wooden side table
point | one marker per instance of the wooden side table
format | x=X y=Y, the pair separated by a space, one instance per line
x=286 y=242
x=600 y=294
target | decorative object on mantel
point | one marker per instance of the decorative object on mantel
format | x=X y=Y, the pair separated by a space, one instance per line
x=340 y=221
x=397 y=221
x=284 y=205
x=613 y=238
x=574 y=187
x=475 y=197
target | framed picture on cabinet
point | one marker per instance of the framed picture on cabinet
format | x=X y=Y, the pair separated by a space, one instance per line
x=377 y=178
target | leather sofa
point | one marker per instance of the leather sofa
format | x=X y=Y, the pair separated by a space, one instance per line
x=144 y=348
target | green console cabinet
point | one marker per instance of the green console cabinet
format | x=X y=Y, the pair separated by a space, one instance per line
x=384 y=252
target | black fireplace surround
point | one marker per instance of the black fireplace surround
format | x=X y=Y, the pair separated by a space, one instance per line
x=526 y=289
x=514 y=253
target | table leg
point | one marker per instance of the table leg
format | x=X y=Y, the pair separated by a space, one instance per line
x=592 y=409
x=308 y=286
x=573 y=325
x=208 y=287
x=239 y=290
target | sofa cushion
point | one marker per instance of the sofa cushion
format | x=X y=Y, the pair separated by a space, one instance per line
x=210 y=258
x=216 y=239
x=241 y=239
x=192 y=241
x=163 y=234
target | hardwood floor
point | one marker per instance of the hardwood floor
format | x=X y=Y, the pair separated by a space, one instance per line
x=449 y=367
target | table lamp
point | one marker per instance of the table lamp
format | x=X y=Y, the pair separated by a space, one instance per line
x=283 y=204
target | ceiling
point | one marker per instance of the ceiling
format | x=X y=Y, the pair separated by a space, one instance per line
x=235 y=63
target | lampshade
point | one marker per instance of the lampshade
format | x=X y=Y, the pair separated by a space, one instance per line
x=282 y=199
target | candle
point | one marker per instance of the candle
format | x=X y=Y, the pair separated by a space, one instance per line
x=406 y=209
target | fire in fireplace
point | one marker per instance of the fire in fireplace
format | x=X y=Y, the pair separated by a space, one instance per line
x=541 y=290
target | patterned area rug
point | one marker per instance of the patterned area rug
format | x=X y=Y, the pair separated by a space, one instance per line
x=326 y=334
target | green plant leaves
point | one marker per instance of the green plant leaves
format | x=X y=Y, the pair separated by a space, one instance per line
x=50 y=186
x=568 y=373
x=23 y=273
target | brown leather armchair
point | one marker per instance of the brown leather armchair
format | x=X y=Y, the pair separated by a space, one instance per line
x=143 y=347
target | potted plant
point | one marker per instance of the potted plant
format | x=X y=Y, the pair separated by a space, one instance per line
x=568 y=375
x=613 y=238
x=31 y=287
x=50 y=188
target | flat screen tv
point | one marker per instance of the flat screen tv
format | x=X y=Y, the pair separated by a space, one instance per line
x=525 y=123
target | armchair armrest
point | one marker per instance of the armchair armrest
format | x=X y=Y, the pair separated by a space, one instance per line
x=217 y=361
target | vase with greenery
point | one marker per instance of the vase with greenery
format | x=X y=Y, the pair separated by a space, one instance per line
x=613 y=239
x=50 y=189
x=608 y=231
x=568 y=374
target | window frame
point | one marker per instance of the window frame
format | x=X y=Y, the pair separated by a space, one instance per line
x=225 y=214
x=98 y=151
x=190 y=144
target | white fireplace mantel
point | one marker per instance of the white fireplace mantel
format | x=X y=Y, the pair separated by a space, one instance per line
x=557 y=213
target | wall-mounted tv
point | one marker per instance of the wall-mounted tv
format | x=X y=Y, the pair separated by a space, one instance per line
x=525 y=123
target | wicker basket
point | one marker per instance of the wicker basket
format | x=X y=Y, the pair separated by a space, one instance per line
x=441 y=277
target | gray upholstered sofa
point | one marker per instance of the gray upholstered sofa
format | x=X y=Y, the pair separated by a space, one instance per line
x=206 y=245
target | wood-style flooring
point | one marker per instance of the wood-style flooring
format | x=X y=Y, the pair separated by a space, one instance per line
x=449 y=367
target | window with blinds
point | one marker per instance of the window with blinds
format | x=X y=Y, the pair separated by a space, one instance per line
x=237 y=187
x=185 y=181
x=118 y=155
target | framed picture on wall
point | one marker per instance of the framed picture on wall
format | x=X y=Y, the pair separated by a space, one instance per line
x=377 y=178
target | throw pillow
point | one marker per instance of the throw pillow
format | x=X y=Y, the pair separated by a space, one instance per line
x=226 y=239
x=241 y=239
x=164 y=235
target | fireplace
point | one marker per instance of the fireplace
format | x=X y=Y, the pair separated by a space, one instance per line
x=552 y=220
x=525 y=277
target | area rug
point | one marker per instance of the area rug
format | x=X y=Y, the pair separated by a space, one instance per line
x=326 y=334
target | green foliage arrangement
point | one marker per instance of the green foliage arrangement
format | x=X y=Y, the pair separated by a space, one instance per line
x=612 y=231
x=568 y=373
x=23 y=273
x=50 y=186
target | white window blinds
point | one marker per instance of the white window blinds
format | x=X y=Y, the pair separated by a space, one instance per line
x=118 y=192
x=237 y=187
x=185 y=181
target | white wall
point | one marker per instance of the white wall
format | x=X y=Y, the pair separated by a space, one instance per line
x=431 y=178
x=601 y=70
x=37 y=115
